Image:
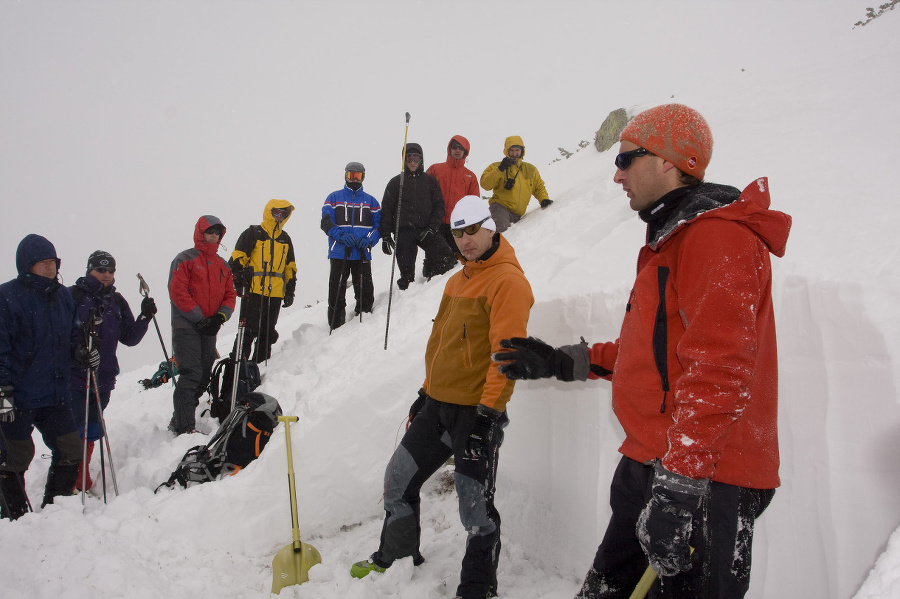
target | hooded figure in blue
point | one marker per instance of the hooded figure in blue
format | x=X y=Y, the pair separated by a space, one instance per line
x=350 y=218
x=38 y=337
x=95 y=295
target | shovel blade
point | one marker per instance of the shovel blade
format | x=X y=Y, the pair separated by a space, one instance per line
x=292 y=567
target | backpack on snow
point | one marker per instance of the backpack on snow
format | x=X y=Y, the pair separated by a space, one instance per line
x=221 y=381
x=236 y=443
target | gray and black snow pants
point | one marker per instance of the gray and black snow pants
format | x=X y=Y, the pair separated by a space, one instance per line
x=437 y=432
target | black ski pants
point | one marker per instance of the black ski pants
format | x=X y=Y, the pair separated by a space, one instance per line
x=261 y=313
x=195 y=354
x=363 y=288
x=438 y=432
x=438 y=256
x=722 y=542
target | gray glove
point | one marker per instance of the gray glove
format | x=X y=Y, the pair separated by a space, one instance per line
x=7 y=404
x=664 y=527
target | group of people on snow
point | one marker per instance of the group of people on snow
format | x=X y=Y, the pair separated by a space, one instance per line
x=693 y=372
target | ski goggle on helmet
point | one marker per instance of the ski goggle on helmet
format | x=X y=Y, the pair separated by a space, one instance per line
x=354 y=172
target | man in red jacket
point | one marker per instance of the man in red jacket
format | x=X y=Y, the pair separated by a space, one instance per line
x=694 y=372
x=455 y=179
x=202 y=292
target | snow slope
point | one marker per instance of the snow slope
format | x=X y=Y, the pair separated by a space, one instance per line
x=821 y=126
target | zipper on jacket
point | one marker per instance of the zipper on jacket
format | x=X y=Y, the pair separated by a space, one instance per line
x=468 y=353
x=661 y=335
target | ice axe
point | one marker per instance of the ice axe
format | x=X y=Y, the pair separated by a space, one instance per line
x=292 y=562
x=145 y=291
x=646 y=581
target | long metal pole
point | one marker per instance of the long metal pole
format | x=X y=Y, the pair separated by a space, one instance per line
x=387 y=325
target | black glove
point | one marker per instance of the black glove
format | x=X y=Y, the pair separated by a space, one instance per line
x=288 y=300
x=88 y=357
x=664 y=527
x=533 y=359
x=416 y=407
x=210 y=325
x=482 y=433
x=387 y=244
x=363 y=243
x=546 y=203
x=424 y=235
x=246 y=278
x=506 y=163
x=348 y=239
x=148 y=308
x=7 y=404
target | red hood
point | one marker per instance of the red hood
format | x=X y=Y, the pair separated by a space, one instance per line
x=752 y=210
x=203 y=223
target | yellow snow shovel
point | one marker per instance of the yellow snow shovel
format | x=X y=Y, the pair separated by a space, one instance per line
x=292 y=562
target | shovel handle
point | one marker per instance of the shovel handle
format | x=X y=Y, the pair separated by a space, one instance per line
x=288 y=419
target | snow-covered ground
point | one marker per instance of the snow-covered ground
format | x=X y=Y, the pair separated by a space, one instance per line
x=819 y=121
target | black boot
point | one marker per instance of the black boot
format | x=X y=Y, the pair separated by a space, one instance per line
x=60 y=481
x=15 y=504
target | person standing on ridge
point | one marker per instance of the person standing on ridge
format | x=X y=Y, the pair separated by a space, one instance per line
x=694 y=371
x=421 y=212
x=350 y=218
x=460 y=410
x=96 y=292
x=513 y=181
x=455 y=179
x=265 y=276
x=38 y=337
x=203 y=297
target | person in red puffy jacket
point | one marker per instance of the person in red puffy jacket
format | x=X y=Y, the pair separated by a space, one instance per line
x=202 y=292
x=694 y=372
x=455 y=179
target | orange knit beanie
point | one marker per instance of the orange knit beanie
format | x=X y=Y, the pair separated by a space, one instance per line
x=675 y=132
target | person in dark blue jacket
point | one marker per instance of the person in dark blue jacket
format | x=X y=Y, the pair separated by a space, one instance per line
x=95 y=293
x=350 y=218
x=37 y=340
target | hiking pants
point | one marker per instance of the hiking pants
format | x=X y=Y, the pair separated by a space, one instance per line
x=503 y=216
x=722 y=542
x=194 y=353
x=262 y=315
x=94 y=430
x=438 y=257
x=438 y=432
x=363 y=288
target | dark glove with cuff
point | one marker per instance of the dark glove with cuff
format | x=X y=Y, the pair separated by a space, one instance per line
x=482 y=432
x=7 y=404
x=210 y=325
x=664 y=527
x=387 y=244
x=506 y=163
x=534 y=359
x=89 y=358
x=424 y=235
x=546 y=203
x=416 y=406
x=148 y=308
x=289 y=290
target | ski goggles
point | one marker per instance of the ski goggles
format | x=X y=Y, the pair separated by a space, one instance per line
x=455 y=145
x=470 y=230
x=281 y=213
x=414 y=158
x=624 y=160
x=353 y=176
x=103 y=270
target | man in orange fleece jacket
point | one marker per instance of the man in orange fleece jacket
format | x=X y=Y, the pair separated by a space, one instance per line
x=694 y=372
x=461 y=407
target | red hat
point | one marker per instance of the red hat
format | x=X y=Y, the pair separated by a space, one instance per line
x=675 y=132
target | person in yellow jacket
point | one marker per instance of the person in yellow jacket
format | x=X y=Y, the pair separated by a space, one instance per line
x=513 y=181
x=461 y=408
x=265 y=277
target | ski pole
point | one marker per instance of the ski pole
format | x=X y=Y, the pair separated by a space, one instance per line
x=145 y=291
x=387 y=325
x=88 y=332
x=112 y=469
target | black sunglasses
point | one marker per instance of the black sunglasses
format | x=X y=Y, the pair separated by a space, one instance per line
x=214 y=230
x=103 y=270
x=623 y=160
x=470 y=230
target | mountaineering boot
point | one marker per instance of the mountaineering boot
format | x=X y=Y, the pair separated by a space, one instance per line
x=363 y=568
x=12 y=485
x=403 y=284
x=88 y=482
x=60 y=481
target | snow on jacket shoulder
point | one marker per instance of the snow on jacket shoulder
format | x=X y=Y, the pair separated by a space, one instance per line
x=200 y=282
x=694 y=371
x=488 y=300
